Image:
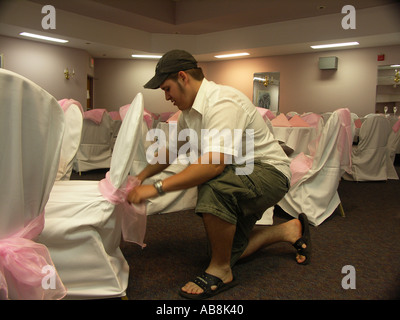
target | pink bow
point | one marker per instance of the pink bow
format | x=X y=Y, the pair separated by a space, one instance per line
x=25 y=266
x=134 y=217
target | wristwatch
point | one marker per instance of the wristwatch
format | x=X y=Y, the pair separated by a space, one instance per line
x=158 y=186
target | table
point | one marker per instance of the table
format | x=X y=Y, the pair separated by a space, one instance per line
x=296 y=138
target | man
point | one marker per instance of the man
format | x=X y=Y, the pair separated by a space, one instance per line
x=230 y=201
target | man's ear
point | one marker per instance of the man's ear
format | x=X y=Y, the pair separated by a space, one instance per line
x=183 y=76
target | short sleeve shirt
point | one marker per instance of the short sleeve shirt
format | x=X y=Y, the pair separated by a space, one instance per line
x=222 y=119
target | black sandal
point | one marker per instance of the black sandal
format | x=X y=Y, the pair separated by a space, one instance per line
x=205 y=282
x=305 y=239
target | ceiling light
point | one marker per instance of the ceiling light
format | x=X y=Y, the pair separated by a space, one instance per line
x=335 y=45
x=37 y=36
x=146 y=56
x=232 y=55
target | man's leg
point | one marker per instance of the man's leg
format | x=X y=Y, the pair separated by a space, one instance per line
x=263 y=236
x=220 y=235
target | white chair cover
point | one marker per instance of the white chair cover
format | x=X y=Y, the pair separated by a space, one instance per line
x=314 y=186
x=95 y=149
x=71 y=140
x=83 y=228
x=369 y=161
x=393 y=145
x=31 y=131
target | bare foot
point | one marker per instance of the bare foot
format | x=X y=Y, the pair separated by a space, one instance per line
x=294 y=232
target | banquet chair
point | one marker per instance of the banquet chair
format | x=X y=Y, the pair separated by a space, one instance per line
x=95 y=148
x=72 y=137
x=84 y=221
x=315 y=178
x=31 y=132
x=369 y=157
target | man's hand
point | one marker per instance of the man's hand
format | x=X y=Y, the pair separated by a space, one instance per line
x=141 y=193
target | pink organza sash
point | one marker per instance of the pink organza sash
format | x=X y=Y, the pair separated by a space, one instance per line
x=134 y=217
x=27 y=268
x=65 y=103
x=95 y=115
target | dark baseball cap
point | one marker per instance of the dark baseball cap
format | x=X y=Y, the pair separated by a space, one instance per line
x=171 y=62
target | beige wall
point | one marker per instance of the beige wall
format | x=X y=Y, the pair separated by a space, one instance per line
x=44 y=64
x=304 y=87
x=116 y=82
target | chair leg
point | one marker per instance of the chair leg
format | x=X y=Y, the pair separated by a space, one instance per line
x=341 y=210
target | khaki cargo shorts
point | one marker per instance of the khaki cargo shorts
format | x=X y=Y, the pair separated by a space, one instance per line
x=242 y=199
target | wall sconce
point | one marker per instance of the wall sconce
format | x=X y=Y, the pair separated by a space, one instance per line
x=268 y=81
x=396 y=78
x=68 y=74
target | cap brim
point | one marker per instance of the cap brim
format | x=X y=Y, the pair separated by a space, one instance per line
x=156 y=81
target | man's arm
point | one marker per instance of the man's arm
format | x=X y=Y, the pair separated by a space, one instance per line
x=193 y=175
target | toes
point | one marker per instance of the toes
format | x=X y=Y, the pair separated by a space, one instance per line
x=192 y=288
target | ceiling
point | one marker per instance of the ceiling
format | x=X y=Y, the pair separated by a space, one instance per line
x=118 y=28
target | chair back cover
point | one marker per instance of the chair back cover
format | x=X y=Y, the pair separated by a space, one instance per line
x=96 y=141
x=71 y=140
x=127 y=140
x=315 y=178
x=369 y=161
x=31 y=132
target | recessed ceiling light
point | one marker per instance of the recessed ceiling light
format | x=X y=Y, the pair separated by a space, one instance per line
x=335 y=45
x=146 y=56
x=37 y=36
x=232 y=55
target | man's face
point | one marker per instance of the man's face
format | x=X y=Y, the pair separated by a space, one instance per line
x=176 y=93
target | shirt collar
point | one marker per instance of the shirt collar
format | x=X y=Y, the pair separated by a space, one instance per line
x=199 y=101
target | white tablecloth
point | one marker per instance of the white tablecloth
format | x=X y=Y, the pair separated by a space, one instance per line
x=296 y=138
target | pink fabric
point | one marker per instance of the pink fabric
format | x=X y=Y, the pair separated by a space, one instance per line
x=134 y=218
x=115 y=115
x=280 y=121
x=94 y=115
x=396 y=126
x=312 y=119
x=296 y=121
x=65 y=103
x=165 y=116
x=299 y=166
x=345 y=139
x=123 y=111
x=174 y=117
x=148 y=118
x=25 y=262
x=357 y=123
x=266 y=113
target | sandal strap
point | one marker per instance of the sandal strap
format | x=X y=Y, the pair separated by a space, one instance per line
x=206 y=281
x=298 y=245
